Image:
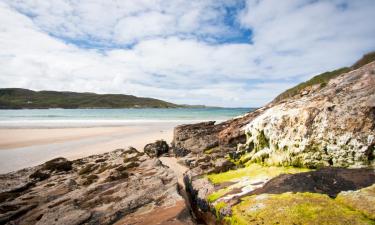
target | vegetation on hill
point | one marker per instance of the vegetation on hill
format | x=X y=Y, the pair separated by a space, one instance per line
x=17 y=98
x=324 y=78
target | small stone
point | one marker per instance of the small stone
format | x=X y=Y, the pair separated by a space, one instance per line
x=157 y=148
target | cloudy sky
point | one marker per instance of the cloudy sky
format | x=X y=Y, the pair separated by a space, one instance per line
x=213 y=52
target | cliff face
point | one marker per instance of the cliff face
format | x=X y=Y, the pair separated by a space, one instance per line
x=329 y=126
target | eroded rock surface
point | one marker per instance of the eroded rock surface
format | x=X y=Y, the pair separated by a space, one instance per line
x=334 y=126
x=115 y=187
x=200 y=145
x=309 y=158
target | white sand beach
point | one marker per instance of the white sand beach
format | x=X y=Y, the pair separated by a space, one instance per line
x=22 y=147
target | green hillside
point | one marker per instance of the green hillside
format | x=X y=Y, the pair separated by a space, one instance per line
x=17 y=98
x=323 y=78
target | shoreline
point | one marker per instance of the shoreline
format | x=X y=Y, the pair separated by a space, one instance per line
x=22 y=147
x=52 y=124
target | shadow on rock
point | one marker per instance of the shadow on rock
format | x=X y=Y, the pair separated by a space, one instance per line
x=330 y=181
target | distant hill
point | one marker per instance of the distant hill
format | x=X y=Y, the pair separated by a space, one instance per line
x=17 y=98
x=322 y=79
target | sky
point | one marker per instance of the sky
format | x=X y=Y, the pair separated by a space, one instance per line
x=230 y=53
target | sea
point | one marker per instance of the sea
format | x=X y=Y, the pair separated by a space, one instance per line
x=113 y=117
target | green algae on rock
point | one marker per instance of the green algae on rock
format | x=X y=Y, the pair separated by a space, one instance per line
x=218 y=194
x=298 y=208
x=362 y=200
x=237 y=183
x=253 y=171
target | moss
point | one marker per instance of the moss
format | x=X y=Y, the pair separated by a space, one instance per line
x=262 y=141
x=218 y=207
x=289 y=208
x=253 y=171
x=296 y=161
x=230 y=159
x=245 y=158
x=362 y=200
x=217 y=194
x=210 y=150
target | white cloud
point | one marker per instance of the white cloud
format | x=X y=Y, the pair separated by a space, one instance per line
x=318 y=35
x=291 y=41
x=125 y=22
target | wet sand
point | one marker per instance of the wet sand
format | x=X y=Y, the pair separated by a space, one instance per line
x=25 y=147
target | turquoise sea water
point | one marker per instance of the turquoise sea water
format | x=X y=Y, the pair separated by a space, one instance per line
x=114 y=116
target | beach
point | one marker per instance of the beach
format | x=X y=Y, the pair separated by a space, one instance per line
x=24 y=147
x=31 y=137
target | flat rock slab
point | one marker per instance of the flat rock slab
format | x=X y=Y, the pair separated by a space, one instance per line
x=100 y=189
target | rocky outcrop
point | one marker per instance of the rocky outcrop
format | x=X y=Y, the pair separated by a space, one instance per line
x=156 y=149
x=296 y=157
x=334 y=126
x=204 y=146
x=200 y=137
x=120 y=187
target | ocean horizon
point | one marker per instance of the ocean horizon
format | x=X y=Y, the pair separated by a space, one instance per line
x=113 y=117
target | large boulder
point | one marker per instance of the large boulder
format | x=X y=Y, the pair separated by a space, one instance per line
x=330 y=127
x=203 y=146
x=200 y=137
x=194 y=138
x=58 y=165
x=157 y=148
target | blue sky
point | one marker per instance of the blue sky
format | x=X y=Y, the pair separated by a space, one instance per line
x=213 y=52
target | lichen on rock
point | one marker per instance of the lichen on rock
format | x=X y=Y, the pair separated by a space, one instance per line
x=331 y=127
